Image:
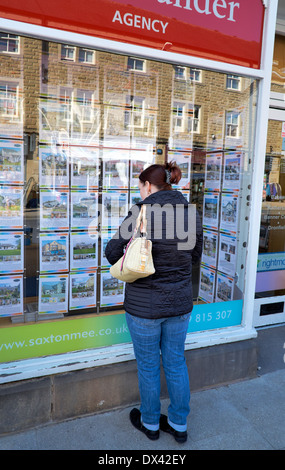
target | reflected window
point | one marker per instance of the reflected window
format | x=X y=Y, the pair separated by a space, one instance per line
x=86 y=56
x=194 y=119
x=137 y=65
x=195 y=75
x=85 y=99
x=67 y=52
x=134 y=113
x=232 y=124
x=9 y=99
x=178 y=111
x=9 y=43
x=180 y=72
x=233 y=82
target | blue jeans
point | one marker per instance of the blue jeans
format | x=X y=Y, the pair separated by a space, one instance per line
x=149 y=338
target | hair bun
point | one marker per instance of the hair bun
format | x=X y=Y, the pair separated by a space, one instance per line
x=175 y=172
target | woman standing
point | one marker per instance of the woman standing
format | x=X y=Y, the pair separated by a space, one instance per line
x=158 y=307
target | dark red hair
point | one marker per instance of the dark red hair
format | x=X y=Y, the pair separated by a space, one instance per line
x=162 y=176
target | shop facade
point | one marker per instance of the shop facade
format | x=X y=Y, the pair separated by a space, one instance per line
x=83 y=109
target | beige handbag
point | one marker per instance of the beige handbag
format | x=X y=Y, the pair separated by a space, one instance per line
x=137 y=260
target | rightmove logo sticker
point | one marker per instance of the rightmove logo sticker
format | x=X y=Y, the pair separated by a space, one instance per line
x=271 y=261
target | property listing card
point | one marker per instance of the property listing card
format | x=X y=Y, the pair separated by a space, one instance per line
x=83 y=250
x=211 y=210
x=210 y=248
x=114 y=207
x=233 y=166
x=229 y=213
x=11 y=162
x=54 y=252
x=140 y=160
x=53 y=293
x=213 y=172
x=224 y=287
x=85 y=168
x=82 y=290
x=115 y=168
x=227 y=254
x=183 y=161
x=11 y=207
x=11 y=252
x=11 y=295
x=53 y=167
x=105 y=237
x=207 y=284
x=112 y=290
x=54 y=210
x=84 y=210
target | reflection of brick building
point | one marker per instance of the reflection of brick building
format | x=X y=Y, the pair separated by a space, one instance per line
x=68 y=97
x=102 y=95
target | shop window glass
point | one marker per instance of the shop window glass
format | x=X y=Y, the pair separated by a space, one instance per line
x=73 y=141
x=270 y=279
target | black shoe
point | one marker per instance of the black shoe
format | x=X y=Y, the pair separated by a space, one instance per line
x=135 y=417
x=179 y=436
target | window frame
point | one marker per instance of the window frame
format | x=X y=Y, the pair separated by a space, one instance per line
x=178 y=76
x=16 y=38
x=86 y=50
x=230 y=80
x=86 y=105
x=15 y=99
x=192 y=121
x=133 y=111
x=195 y=70
x=178 y=107
x=231 y=125
x=135 y=60
x=67 y=47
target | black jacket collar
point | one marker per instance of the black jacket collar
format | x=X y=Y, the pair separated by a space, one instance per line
x=165 y=197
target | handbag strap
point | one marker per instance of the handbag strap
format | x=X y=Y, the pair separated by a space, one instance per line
x=141 y=221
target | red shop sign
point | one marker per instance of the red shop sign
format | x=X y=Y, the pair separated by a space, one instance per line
x=224 y=30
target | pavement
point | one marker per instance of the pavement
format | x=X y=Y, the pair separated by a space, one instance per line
x=248 y=415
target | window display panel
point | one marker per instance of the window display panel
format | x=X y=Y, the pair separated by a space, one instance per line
x=77 y=127
x=212 y=130
x=270 y=279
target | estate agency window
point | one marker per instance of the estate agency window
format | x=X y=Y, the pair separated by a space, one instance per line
x=74 y=139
